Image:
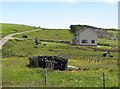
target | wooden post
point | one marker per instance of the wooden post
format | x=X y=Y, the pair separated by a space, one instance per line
x=46 y=71
x=103 y=80
x=49 y=64
x=46 y=77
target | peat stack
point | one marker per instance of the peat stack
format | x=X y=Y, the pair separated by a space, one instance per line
x=54 y=62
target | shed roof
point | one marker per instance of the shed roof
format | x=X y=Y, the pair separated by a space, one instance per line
x=86 y=28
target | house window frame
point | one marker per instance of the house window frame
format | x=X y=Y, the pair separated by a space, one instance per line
x=92 y=41
x=84 y=41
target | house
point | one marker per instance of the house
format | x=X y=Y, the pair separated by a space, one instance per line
x=86 y=36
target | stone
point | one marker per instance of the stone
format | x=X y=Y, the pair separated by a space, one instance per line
x=58 y=63
x=24 y=36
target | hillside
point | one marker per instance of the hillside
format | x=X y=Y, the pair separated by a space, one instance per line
x=23 y=46
x=47 y=34
x=111 y=34
x=50 y=34
x=15 y=60
x=17 y=51
x=8 y=28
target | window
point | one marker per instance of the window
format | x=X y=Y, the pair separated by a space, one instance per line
x=84 y=41
x=92 y=41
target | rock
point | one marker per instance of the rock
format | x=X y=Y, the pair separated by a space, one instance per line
x=56 y=62
x=29 y=38
x=71 y=68
x=24 y=36
x=44 y=44
x=106 y=54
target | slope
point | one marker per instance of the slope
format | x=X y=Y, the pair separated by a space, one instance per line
x=8 y=28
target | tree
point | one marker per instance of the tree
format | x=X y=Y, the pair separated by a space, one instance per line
x=74 y=28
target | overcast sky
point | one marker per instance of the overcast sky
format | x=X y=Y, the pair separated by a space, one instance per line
x=61 y=14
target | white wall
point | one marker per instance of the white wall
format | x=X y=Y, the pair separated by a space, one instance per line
x=89 y=35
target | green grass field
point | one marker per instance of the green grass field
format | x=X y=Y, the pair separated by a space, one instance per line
x=50 y=34
x=15 y=58
x=15 y=73
x=25 y=47
x=14 y=28
x=15 y=70
x=62 y=35
x=113 y=32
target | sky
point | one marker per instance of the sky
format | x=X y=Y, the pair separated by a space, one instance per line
x=119 y=15
x=61 y=13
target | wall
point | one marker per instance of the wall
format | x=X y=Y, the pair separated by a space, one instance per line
x=89 y=35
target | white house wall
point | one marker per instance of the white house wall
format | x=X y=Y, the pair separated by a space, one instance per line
x=88 y=35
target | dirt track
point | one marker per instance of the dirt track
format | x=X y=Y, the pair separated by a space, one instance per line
x=6 y=38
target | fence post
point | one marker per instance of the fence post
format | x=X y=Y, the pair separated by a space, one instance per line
x=46 y=71
x=49 y=64
x=103 y=80
x=46 y=77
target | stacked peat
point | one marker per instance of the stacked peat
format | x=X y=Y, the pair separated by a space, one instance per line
x=58 y=63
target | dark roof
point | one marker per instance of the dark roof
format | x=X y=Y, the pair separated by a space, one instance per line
x=87 y=26
x=82 y=28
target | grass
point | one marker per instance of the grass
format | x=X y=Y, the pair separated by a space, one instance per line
x=0 y=73
x=14 y=28
x=25 y=47
x=62 y=35
x=15 y=58
x=17 y=74
x=112 y=43
x=113 y=32
x=50 y=34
